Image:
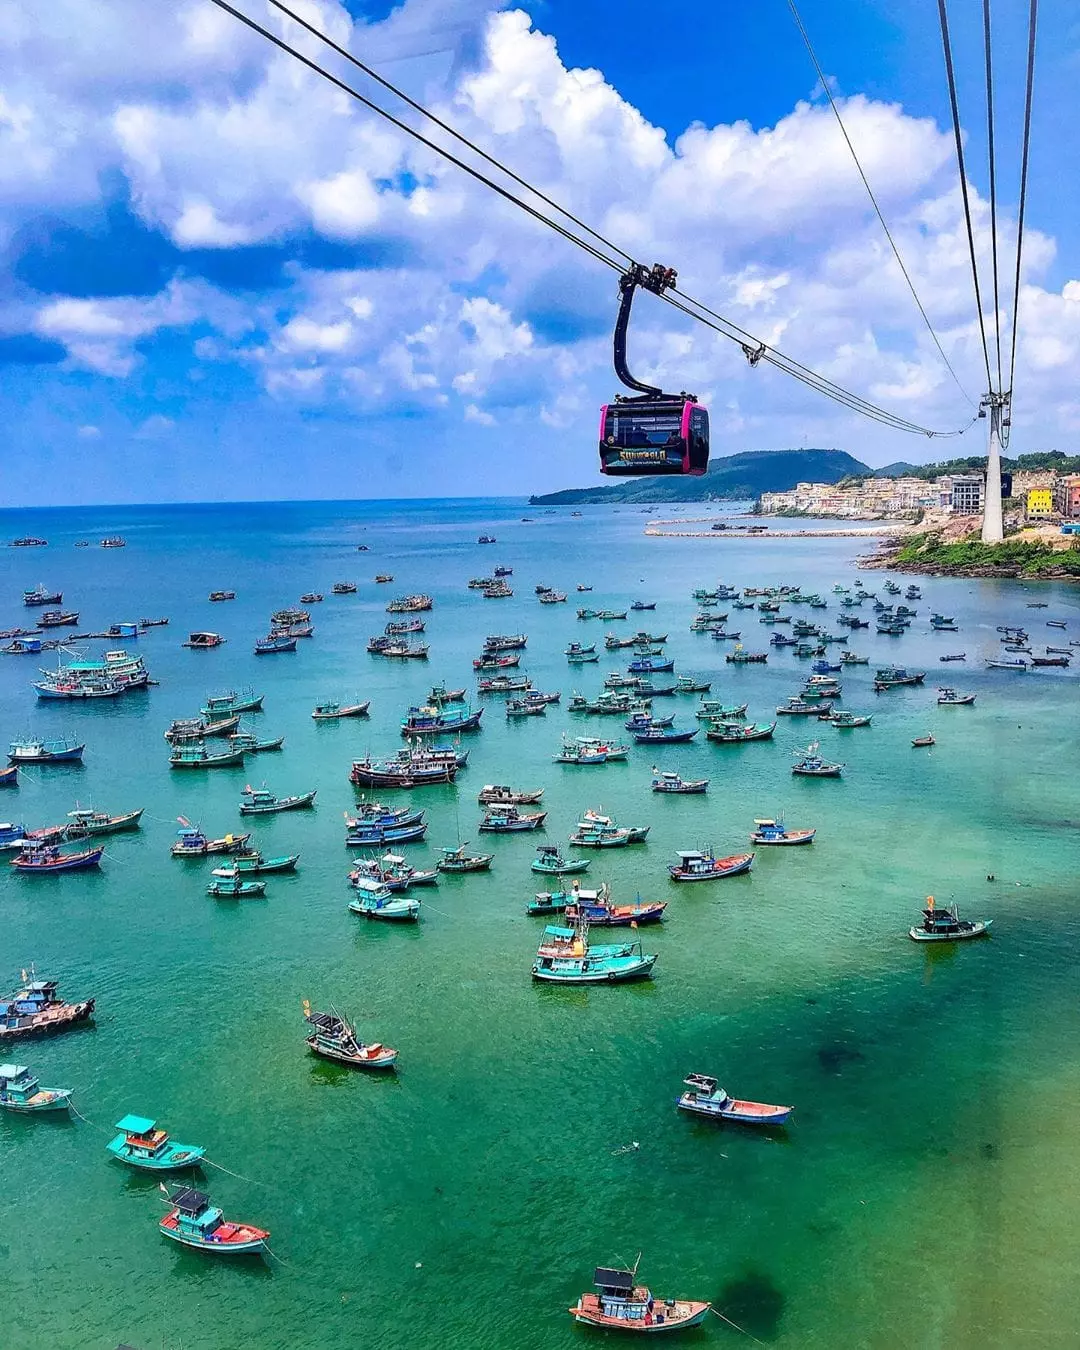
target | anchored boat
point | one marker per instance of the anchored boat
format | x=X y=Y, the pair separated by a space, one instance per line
x=333 y=1037
x=376 y=901
x=623 y=1305
x=261 y=801
x=36 y=1011
x=773 y=831
x=698 y=865
x=706 y=1098
x=565 y=957
x=21 y=1091
x=40 y=859
x=456 y=860
x=945 y=925
x=141 y=1144
x=673 y=783
x=550 y=862
x=194 y=1222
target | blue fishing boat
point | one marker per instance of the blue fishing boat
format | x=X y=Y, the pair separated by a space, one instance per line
x=597 y=909
x=432 y=720
x=375 y=813
x=9 y=777
x=707 y=1099
x=368 y=834
x=393 y=872
x=274 y=643
x=261 y=801
x=194 y=1222
x=374 y=900
x=34 y=750
x=651 y=665
x=566 y=957
x=237 y=889
x=45 y=859
x=141 y=1144
x=231 y=703
x=510 y=820
x=702 y=865
x=37 y=1011
x=550 y=862
x=657 y=735
x=774 y=831
x=193 y=842
x=21 y=1091
x=673 y=783
x=12 y=836
x=811 y=765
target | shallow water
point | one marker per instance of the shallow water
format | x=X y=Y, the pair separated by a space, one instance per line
x=924 y=1194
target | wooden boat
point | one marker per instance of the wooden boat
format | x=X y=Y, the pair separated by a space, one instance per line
x=141 y=1144
x=311 y=598
x=566 y=957
x=375 y=813
x=12 y=836
x=41 y=596
x=731 y=732
x=331 y=711
x=252 y=745
x=409 y=768
x=440 y=694
x=374 y=834
x=801 y=707
x=58 y=618
x=37 y=1011
x=643 y=720
x=393 y=872
x=33 y=750
x=672 y=783
x=40 y=859
x=658 y=735
x=948 y=698
x=890 y=677
x=261 y=801
x=457 y=860
x=706 y=1098
x=86 y=823
x=520 y=707
x=374 y=900
x=650 y=665
x=1050 y=661
x=553 y=598
x=945 y=925
x=550 y=862
x=198 y=728
x=773 y=831
x=739 y=657
x=921 y=742
x=343 y=588
x=193 y=843
x=196 y=755
x=333 y=1037
x=504 y=684
x=640 y=605
x=843 y=720
x=1056 y=623
x=21 y=1091
x=811 y=765
x=509 y=820
x=224 y=705
x=1017 y=665
x=410 y=604
x=597 y=909
x=623 y=1305
x=217 y=596
x=383 y=577
x=202 y=642
x=697 y=865
x=255 y=865
x=955 y=656
x=713 y=709
x=433 y=720
x=237 y=889
x=195 y=1222
x=492 y=794
x=505 y=662
x=274 y=643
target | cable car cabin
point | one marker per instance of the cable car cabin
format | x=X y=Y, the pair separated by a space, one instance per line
x=654 y=436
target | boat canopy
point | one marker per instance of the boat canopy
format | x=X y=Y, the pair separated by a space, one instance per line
x=8 y=1071
x=136 y=1124
x=551 y=931
x=618 y=1281
x=690 y=855
x=190 y=1201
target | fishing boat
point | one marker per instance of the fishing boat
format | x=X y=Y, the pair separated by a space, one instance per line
x=811 y=765
x=374 y=900
x=383 y=577
x=598 y=910
x=311 y=598
x=623 y=1305
x=703 y=865
x=643 y=720
x=713 y=709
x=600 y=834
x=954 y=656
x=509 y=820
x=237 y=889
x=890 y=677
x=853 y=659
x=410 y=604
x=773 y=831
x=945 y=925
x=660 y=735
x=153 y=623
x=741 y=657
x=505 y=642
x=21 y=1091
x=843 y=720
x=285 y=618
x=639 y=606
x=224 y=705
x=943 y=623
x=650 y=665
x=198 y=728
x=274 y=643
x=36 y=1011
x=440 y=694
x=590 y=744
x=1017 y=665
x=456 y=860
x=252 y=745
x=1050 y=661
x=343 y=588
x=504 y=684
x=331 y=710
x=86 y=823
x=202 y=642
x=217 y=596
x=583 y=656
x=34 y=750
x=375 y=813
x=566 y=957
x=58 y=618
x=372 y=834
x=433 y=720
x=553 y=598
x=141 y=1144
x=29 y=541
x=255 y=865
x=39 y=859
x=520 y=707
x=922 y=742
x=549 y=861
x=492 y=794
x=673 y=783
x=492 y=662
x=801 y=707
x=574 y=753
x=40 y=595
x=707 y=1098
x=9 y=777
x=1056 y=623
x=193 y=843
x=334 y=1037
x=413 y=767
x=393 y=872
x=197 y=755
x=261 y=801
x=730 y=732
x=12 y=836
x=194 y=1222
x=950 y=698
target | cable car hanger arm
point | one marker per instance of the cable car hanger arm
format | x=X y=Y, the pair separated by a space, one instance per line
x=656 y=279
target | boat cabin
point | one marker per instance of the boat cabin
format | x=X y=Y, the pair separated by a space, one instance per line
x=141 y=1135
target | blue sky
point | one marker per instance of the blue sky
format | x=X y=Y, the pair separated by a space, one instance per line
x=222 y=281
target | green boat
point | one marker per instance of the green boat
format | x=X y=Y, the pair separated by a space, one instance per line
x=565 y=957
x=20 y=1091
x=141 y=1144
x=225 y=705
x=551 y=862
x=256 y=865
x=235 y=889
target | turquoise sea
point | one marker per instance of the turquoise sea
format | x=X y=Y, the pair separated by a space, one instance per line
x=925 y=1193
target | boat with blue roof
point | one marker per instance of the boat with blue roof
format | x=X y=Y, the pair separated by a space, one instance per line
x=565 y=956
x=38 y=750
x=21 y=1091
x=45 y=859
x=670 y=782
x=771 y=830
x=599 y=911
x=141 y=1144
x=194 y=1222
x=36 y=1010
x=374 y=900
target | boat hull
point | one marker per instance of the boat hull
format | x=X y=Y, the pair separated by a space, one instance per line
x=741 y=1113
x=639 y=969
x=384 y=1059
x=976 y=930
x=587 y=1313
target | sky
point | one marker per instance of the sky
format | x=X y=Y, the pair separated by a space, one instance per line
x=221 y=278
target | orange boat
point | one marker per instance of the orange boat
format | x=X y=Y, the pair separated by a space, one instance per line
x=623 y=1305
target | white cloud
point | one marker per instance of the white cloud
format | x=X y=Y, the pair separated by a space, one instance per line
x=478 y=415
x=88 y=433
x=154 y=427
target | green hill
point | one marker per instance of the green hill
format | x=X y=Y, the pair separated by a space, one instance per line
x=734 y=478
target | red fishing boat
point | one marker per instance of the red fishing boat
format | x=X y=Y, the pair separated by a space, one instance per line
x=38 y=858
x=623 y=1305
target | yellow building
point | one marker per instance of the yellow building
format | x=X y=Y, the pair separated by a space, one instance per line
x=1040 y=503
